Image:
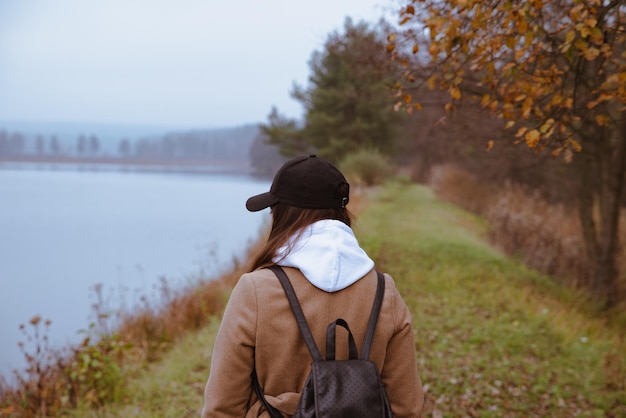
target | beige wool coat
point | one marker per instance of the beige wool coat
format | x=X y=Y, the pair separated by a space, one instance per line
x=259 y=329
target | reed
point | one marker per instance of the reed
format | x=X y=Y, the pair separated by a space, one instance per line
x=115 y=347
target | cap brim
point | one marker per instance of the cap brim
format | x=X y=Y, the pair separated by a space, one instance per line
x=260 y=202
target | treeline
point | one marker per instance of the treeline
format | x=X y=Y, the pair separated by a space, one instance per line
x=228 y=144
x=225 y=144
x=17 y=144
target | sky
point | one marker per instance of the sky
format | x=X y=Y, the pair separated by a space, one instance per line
x=183 y=63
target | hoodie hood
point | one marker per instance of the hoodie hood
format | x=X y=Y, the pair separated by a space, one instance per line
x=328 y=255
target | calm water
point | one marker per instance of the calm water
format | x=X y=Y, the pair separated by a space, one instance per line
x=62 y=232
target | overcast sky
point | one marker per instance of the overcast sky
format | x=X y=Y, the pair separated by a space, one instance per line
x=186 y=63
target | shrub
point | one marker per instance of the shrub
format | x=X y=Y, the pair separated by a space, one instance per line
x=461 y=188
x=546 y=237
x=367 y=166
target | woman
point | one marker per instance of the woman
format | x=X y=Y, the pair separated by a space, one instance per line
x=333 y=278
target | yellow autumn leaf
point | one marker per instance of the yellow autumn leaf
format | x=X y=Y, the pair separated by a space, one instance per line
x=406 y=19
x=407 y=98
x=602 y=120
x=527 y=107
x=489 y=145
x=570 y=36
x=574 y=12
x=510 y=42
x=529 y=37
x=392 y=37
x=455 y=93
x=417 y=106
x=597 y=36
x=575 y=144
x=522 y=26
x=508 y=66
x=432 y=82
x=433 y=49
x=521 y=131
x=509 y=124
x=584 y=30
x=605 y=49
x=591 y=53
x=532 y=138
x=390 y=47
x=410 y=10
x=556 y=99
x=567 y=103
x=592 y=104
x=416 y=48
x=547 y=127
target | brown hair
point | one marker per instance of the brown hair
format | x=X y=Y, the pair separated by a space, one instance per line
x=289 y=221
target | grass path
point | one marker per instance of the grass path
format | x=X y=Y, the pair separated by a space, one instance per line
x=493 y=338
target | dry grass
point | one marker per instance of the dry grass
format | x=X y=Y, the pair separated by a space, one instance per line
x=94 y=372
x=546 y=237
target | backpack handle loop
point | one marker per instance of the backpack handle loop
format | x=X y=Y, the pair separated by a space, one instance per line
x=331 y=333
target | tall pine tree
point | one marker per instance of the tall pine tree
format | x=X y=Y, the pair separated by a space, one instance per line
x=348 y=103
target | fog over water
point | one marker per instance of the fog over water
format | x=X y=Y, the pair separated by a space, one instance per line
x=62 y=232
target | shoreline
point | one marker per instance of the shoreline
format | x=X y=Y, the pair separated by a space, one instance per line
x=199 y=166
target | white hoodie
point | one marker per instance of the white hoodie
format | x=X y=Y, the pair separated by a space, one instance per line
x=328 y=255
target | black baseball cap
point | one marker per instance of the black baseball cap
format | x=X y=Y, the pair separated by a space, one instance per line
x=305 y=182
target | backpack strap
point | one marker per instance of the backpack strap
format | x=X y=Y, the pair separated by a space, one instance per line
x=273 y=412
x=297 y=311
x=304 y=327
x=371 y=326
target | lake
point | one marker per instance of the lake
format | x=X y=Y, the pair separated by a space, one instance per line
x=64 y=231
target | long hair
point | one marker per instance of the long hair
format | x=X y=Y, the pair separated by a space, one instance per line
x=290 y=221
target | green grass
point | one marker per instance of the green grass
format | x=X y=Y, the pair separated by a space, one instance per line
x=493 y=338
x=173 y=387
